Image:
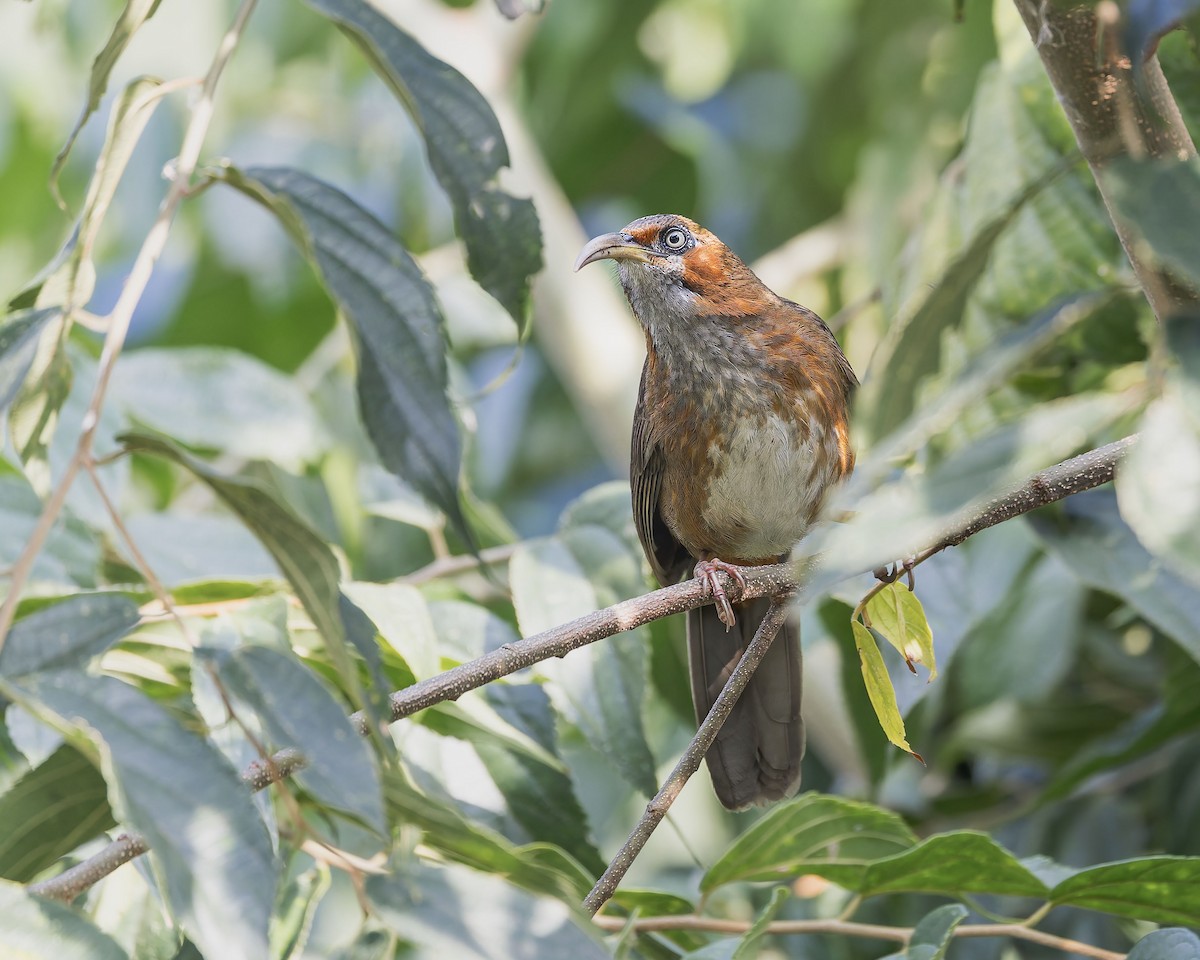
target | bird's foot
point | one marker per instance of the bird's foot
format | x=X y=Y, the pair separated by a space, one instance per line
x=894 y=571
x=707 y=571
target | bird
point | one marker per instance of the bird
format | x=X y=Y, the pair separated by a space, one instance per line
x=740 y=432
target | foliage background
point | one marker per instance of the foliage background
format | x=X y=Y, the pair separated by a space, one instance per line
x=853 y=153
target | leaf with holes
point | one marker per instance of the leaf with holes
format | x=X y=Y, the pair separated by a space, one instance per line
x=897 y=614
x=466 y=151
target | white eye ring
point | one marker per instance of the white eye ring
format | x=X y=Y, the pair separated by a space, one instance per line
x=675 y=239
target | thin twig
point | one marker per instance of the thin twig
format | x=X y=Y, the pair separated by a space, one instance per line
x=461 y=563
x=770 y=581
x=849 y=928
x=122 y=313
x=693 y=756
x=1055 y=483
x=75 y=880
x=143 y=566
x=139 y=559
x=1072 y=476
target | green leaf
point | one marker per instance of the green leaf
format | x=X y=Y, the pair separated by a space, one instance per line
x=605 y=505
x=1093 y=540
x=1177 y=714
x=600 y=688
x=134 y=14
x=932 y=935
x=872 y=743
x=1173 y=943
x=210 y=852
x=879 y=687
x=19 y=338
x=397 y=324
x=293 y=920
x=951 y=864
x=219 y=399
x=73 y=280
x=1007 y=354
x=1005 y=654
x=466 y=151
x=1159 y=889
x=747 y=948
x=541 y=799
x=59 y=804
x=1160 y=199
x=35 y=411
x=537 y=867
x=71 y=556
x=1158 y=485
x=906 y=513
x=652 y=903
x=297 y=711
x=897 y=614
x=909 y=350
x=36 y=929
x=210 y=557
x=370 y=944
x=402 y=618
x=455 y=912
x=304 y=558
x=130 y=910
x=67 y=634
x=811 y=830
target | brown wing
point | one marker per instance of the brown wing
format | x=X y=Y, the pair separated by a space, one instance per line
x=668 y=558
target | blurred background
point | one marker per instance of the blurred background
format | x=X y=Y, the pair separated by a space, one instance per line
x=847 y=149
x=762 y=125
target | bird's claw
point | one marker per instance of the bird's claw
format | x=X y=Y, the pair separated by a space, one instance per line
x=894 y=571
x=707 y=571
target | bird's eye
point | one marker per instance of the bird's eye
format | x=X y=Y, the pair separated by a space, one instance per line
x=676 y=238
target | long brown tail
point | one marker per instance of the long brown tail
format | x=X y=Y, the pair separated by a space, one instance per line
x=756 y=756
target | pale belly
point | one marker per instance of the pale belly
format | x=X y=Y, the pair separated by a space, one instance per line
x=766 y=487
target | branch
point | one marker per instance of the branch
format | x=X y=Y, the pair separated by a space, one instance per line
x=75 y=880
x=1112 y=116
x=1055 y=483
x=849 y=928
x=690 y=762
x=119 y=319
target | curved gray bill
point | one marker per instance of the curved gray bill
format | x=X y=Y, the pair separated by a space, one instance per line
x=611 y=246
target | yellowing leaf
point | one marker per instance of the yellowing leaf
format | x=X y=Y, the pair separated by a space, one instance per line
x=897 y=614
x=879 y=688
